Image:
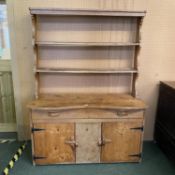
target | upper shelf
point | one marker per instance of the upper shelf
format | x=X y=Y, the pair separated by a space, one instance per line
x=86 y=71
x=86 y=12
x=51 y=43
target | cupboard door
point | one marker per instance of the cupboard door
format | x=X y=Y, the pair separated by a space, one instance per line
x=121 y=141
x=51 y=143
x=87 y=137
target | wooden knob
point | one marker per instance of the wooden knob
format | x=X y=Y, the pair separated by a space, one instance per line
x=104 y=141
x=122 y=113
x=72 y=143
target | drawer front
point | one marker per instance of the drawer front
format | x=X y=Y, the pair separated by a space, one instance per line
x=166 y=110
x=84 y=114
x=165 y=141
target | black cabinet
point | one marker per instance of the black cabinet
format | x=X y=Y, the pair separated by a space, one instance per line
x=164 y=134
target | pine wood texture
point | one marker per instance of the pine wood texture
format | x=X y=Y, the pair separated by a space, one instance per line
x=86 y=57
x=86 y=108
x=85 y=12
x=99 y=101
x=58 y=115
x=50 y=144
x=86 y=31
x=123 y=142
x=85 y=44
x=84 y=83
x=20 y=31
x=87 y=71
x=79 y=32
x=87 y=137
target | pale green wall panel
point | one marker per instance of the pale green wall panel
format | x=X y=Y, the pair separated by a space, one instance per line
x=7 y=105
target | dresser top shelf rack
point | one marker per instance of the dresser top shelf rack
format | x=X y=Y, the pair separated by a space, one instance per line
x=117 y=45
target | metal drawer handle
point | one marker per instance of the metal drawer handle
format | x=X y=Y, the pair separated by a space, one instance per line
x=72 y=143
x=122 y=113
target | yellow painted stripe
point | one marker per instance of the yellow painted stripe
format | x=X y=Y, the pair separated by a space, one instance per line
x=20 y=151
x=16 y=157
x=6 y=171
x=11 y=163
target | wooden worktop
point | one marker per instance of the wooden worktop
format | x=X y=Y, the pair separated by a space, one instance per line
x=76 y=101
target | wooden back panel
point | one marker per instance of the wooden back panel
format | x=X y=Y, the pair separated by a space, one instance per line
x=85 y=29
x=86 y=57
x=83 y=83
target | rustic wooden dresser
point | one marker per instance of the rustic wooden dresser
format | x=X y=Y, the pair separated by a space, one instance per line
x=86 y=110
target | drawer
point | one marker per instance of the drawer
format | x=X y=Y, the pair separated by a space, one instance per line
x=165 y=141
x=84 y=114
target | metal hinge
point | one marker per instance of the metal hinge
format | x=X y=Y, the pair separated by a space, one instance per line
x=138 y=128
x=38 y=157
x=136 y=155
x=36 y=129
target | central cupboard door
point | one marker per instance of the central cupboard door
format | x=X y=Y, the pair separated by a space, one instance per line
x=54 y=143
x=88 y=136
x=121 y=141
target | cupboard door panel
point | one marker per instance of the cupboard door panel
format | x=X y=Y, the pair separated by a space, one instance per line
x=87 y=137
x=122 y=141
x=50 y=143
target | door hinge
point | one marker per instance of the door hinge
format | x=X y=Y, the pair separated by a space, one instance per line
x=37 y=129
x=138 y=128
x=136 y=155
x=38 y=157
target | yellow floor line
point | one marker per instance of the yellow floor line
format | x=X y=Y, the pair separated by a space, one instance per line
x=14 y=159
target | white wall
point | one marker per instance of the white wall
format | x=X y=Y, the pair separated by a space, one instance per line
x=156 y=59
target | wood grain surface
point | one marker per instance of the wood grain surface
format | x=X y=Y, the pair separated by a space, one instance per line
x=68 y=101
x=125 y=141
x=85 y=12
x=50 y=143
x=87 y=137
